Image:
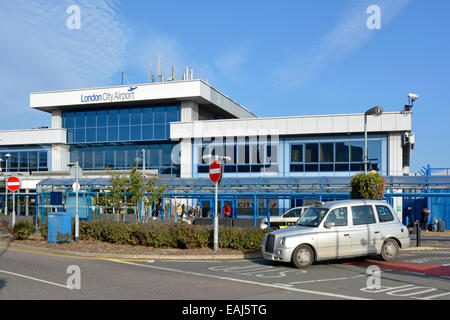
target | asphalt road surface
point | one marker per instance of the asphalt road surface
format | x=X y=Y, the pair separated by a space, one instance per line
x=414 y=276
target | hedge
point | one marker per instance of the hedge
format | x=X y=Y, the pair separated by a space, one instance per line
x=171 y=235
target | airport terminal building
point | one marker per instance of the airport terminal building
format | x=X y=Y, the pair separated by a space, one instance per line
x=167 y=127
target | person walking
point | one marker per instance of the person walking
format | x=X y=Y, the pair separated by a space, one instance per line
x=183 y=210
x=425 y=215
x=179 y=210
x=197 y=211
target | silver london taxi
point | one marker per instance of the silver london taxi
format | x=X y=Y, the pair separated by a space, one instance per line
x=338 y=229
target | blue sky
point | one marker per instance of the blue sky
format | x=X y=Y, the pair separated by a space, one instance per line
x=276 y=58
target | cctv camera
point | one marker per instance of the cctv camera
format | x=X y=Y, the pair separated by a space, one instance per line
x=413 y=96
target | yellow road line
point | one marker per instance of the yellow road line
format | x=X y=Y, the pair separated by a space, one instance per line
x=2 y=246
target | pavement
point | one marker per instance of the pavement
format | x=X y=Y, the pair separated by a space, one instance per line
x=431 y=241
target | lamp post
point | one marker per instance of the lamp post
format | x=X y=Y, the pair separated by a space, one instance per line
x=7 y=156
x=375 y=111
x=216 y=218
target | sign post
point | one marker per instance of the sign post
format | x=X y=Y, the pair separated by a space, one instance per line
x=13 y=184
x=76 y=172
x=215 y=173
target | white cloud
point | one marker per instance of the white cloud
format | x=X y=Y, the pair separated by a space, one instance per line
x=346 y=37
x=40 y=53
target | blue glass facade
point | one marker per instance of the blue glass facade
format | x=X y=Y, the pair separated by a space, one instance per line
x=293 y=156
x=114 y=138
x=121 y=157
x=147 y=123
x=25 y=159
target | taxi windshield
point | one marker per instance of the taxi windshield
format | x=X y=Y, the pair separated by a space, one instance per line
x=312 y=217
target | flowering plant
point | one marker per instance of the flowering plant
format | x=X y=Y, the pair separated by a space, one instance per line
x=367 y=186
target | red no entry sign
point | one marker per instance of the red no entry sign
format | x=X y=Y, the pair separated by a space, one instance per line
x=13 y=183
x=215 y=171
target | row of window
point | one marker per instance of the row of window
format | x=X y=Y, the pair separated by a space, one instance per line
x=334 y=156
x=361 y=215
x=25 y=161
x=113 y=125
x=157 y=156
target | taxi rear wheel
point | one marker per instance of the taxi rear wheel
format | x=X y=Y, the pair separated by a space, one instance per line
x=303 y=256
x=389 y=250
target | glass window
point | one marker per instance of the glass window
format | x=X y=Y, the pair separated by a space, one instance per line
x=102 y=134
x=23 y=160
x=338 y=216
x=341 y=152
x=356 y=151
x=43 y=159
x=124 y=133
x=109 y=159
x=69 y=120
x=98 y=160
x=312 y=217
x=135 y=132
x=297 y=153
x=113 y=133
x=147 y=116
x=155 y=155
x=120 y=159
x=326 y=152
x=102 y=118
x=33 y=160
x=363 y=215
x=166 y=154
x=293 y=213
x=159 y=132
x=124 y=117
x=172 y=114
x=80 y=135
x=80 y=120
x=311 y=152
x=113 y=117
x=159 y=115
x=384 y=214
x=88 y=162
x=147 y=132
x=135 y=116
x=91 y=135
x=91 y=118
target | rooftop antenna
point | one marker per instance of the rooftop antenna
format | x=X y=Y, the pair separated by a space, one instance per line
x=159 y=68
x=173 y=75
x=118 y=65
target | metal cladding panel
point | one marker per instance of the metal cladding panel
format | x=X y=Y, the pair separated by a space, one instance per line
x=58 y=222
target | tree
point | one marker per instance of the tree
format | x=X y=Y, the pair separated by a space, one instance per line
x=115 y=196
x=367 y=186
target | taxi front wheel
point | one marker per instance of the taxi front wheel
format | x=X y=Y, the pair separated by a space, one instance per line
x=303 y=256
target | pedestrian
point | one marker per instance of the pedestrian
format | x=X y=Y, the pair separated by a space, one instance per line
x=425 y=215
x=197 y=211
x=158 y=208
x=183 y=210
x=191 y=212
x=179 y=210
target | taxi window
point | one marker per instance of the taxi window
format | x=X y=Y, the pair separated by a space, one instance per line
x=384 y=214
x=363 y=215
x=293 y=213
x=338 y=216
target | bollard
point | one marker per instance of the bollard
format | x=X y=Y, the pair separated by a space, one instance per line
x=417 y=230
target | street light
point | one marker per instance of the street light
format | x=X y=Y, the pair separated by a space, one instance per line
x=375 y=111
x=77 y=172
x=216 y=218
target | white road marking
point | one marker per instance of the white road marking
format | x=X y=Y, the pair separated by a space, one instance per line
x=435 y=296
x=35 y=279
x=329 y=294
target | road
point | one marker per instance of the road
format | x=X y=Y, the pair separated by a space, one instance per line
x=414 y=276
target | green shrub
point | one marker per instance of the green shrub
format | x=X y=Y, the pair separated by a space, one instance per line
x=23 y=229
x=44 y=230
x=64 y=237
x=5 y=227
x=170 y=235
